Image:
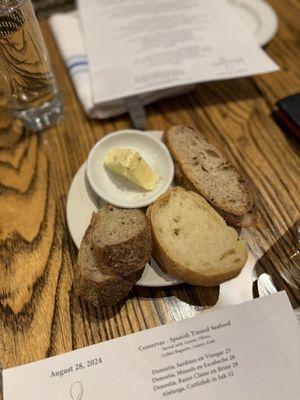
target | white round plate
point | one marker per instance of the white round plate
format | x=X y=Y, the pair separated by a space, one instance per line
x=82 y=202
x=259 y=17
x=118 y=191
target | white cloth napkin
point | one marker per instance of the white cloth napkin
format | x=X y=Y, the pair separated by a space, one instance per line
x=69 y=37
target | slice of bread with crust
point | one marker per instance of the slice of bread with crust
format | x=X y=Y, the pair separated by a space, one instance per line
x=90 y=282
x=200 y=167
x=122 y=240
x=192 y=241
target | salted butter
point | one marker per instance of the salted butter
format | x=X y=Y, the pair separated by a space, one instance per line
x=129 y=164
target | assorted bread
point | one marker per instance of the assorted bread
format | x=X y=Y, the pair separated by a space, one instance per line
x=114 y=251
x=201 y=167
x=192 y=241
x=184 y=227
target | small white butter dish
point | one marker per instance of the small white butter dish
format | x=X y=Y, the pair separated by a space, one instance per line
x=119 y=191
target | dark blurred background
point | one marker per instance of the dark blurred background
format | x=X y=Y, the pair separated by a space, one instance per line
x=44 y=8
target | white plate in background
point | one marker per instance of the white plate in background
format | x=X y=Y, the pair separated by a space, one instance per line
x=259 y=17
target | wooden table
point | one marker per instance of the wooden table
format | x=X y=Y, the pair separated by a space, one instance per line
x=40 y=315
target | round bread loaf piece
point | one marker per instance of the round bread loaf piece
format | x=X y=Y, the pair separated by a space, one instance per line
x=192 y=241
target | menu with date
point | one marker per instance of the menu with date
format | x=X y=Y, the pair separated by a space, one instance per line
x=140 y=46
x=248 y=351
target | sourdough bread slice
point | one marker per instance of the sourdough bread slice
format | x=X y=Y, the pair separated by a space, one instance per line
x=122 y=239
x=90 y=282
x=244 y=220
x=192 y=241
x=200 y=167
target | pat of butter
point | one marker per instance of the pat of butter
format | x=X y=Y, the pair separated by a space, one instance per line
x=130 y=165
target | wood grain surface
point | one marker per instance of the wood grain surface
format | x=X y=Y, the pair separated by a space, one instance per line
x=40 y=315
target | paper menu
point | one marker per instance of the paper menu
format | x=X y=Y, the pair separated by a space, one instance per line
x=248 y=351
x=137 y=46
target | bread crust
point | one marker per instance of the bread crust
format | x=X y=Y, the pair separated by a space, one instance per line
x=176 y=269
x=100 y=293
x=99 y=287
x=241 y=221
x=126 y=257
x=235 y=217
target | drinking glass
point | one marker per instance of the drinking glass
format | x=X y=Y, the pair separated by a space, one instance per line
x=24 y=62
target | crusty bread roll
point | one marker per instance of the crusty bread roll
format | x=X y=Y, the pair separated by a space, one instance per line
x=201 y=167
x=192 y=241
